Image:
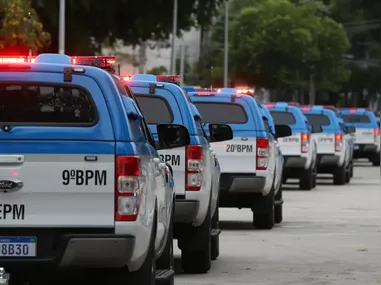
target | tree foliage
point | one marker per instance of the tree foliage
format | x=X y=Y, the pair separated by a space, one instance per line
x=16 y=34
x=90 y=22
x=272 y=42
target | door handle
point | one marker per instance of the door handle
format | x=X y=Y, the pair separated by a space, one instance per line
x=11 y=159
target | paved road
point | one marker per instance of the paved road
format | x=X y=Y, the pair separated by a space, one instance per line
x=331 y=235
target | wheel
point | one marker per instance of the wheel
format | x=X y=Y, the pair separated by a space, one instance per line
x=278 y=215
x=166 y=260
x=339 y=175
x=314 y=177
x=198 y=260
x=348 y=176
x=306 y=180
x=145 y=274
x=215 y=242
x=351 y=170
x=376 y=160
x=265 y=220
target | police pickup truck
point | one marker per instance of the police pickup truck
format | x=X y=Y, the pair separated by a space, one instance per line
x=196 y=173
x=299 y=150
x=249 y=161
x=367 y=136
x=333 y=147
x=82 y=187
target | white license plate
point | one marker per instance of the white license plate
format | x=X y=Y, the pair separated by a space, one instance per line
x=326 y=140
x=18 y=246
x=356 y=147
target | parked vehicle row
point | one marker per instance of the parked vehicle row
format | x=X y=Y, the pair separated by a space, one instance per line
x=102 y=172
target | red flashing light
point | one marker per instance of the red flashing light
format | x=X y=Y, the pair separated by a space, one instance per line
x=269 y=106
x=200 y=93
x=126 y=77
x=352 y=111
x=175 y=79
x=104 y=62
x=306 y=109
x=247 y=91
x=17 y=59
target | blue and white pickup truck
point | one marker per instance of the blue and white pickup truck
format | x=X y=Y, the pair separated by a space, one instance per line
x=249 y=160
x=196 y=173
x=82 y=186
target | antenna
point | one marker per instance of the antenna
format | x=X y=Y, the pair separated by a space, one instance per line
x=211 y=78
x=29 y=32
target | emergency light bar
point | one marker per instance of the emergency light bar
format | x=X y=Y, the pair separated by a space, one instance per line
x=245 y=90
x=204 y=93
x=175 y=79
x=17 y=59
x=126 y=77
x=104 y=62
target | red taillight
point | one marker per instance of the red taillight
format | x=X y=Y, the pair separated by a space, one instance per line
x=338 y=142
x=262 y=153
x=376 y=132
x=376 y=135
x=128 y=188
x=305 y=143
x=194 y=167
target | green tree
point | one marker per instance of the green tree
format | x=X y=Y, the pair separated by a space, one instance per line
x=270 y=43
x=16 y=34
x=90 y=22
x=158 y=70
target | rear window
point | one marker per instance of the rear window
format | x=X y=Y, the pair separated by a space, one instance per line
x=283 y=118
x=356 y=119
x=36 y=104
x=155 y=110
x=318 y=120
x=216 y=113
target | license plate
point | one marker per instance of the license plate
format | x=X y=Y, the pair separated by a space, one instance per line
x=356 y=147
x=326 y=140
x=290 y=140
x=18 y=246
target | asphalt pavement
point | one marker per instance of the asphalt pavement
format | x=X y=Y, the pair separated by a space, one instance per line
x=330 y=236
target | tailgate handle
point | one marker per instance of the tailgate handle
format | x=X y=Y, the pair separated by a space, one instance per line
x=11 y=159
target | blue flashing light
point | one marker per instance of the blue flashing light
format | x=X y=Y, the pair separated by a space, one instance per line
x=281 y=105
x=53 y=58
x=144 y=77
x=189 y=89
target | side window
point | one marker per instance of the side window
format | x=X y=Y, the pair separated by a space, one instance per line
x=137 y=128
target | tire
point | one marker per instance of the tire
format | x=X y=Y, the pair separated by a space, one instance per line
x=145 y=274
x=199 y=260
x=351 y=170
x=166 y=260
x=314 y=177
x=265 y=220
x=376 y=160
x=306 y=180
x=339 y=175
x=215 y=242
x=278 y=214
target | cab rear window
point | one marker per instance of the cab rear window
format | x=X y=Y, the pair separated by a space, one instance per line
x=353 y=118
x=318 y=120
x=155 y=110
x=39 y=104
x=283 y=118
x=216 y=113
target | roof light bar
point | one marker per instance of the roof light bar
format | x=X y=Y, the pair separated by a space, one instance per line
x=103 y=62
x=175 y=79
x=17 y=59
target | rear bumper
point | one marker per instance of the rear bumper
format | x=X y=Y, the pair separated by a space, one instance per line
x=186 y=210
x=71 y=248
x=328 y=160
x=241 y=190
x=294 y=162
x=365 y=150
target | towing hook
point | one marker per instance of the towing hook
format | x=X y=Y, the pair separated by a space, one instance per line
x=4 y=277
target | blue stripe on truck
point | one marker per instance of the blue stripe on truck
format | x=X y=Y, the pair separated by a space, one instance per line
x=57 y=147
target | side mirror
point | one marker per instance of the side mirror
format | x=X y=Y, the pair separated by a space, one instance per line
x=351 y=129
x=317 y=129
x=282 y=131
x=171 y=136
x=220 y=132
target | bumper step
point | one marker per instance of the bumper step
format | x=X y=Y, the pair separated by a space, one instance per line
x=163 y=275
x=4 y=277
x=215 y=232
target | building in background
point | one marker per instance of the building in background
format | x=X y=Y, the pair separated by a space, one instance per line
x=149 y=55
